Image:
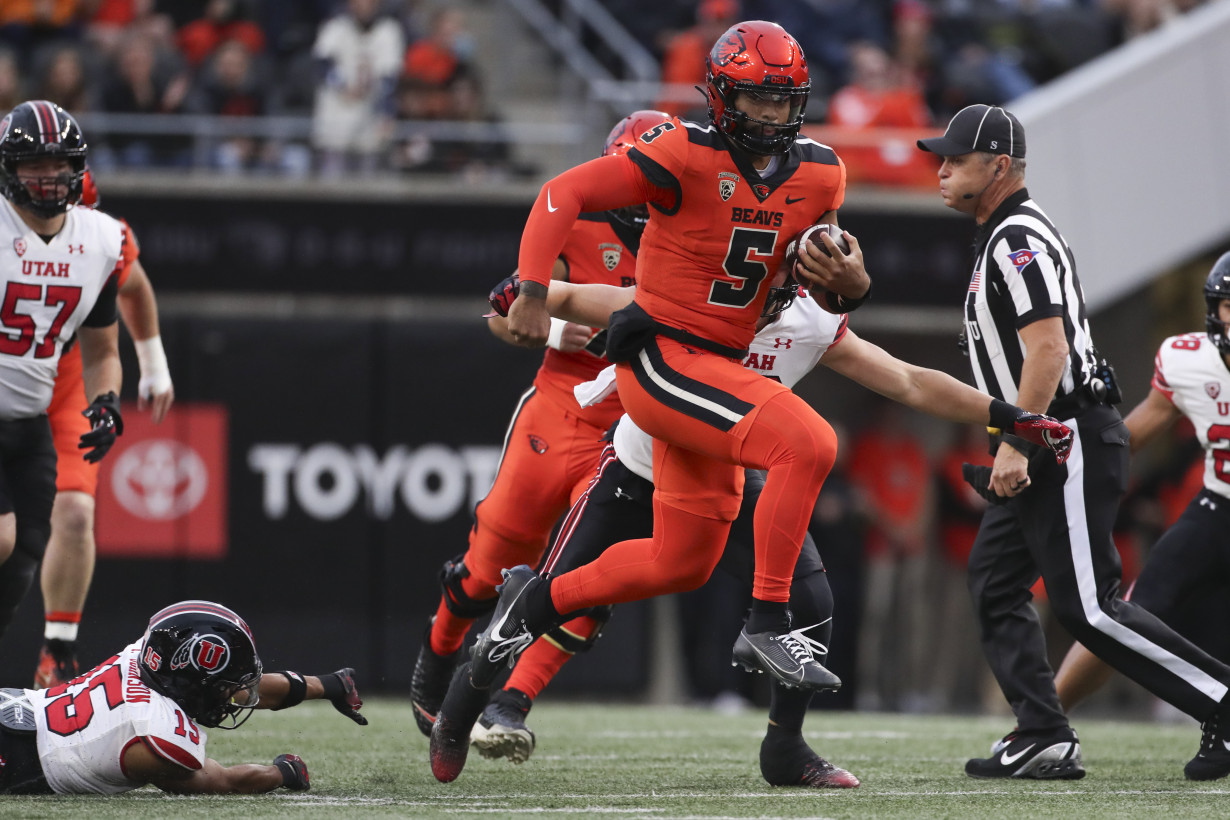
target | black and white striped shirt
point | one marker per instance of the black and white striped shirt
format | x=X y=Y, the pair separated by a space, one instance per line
x=1023 y=271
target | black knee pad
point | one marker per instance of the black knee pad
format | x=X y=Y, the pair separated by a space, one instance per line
x=455 y=598
x=573 y=644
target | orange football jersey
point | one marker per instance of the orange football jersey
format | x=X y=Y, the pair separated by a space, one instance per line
x=599 y=250
x=706 y=263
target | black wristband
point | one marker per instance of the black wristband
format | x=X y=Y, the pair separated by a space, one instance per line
x=298 y=690
x=1003 y=415
x=845 y=304
x=332 y=685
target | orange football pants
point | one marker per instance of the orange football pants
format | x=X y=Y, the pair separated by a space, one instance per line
x=73 y=472
x=710 y=417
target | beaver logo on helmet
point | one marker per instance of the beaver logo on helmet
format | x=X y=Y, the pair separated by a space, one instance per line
x=728 y=49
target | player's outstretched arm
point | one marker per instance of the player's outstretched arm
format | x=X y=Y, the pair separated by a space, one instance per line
x=282 y=690
x=212 y=778
x=1153 y=415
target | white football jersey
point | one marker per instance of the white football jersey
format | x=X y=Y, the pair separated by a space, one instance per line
x=1189 y=370
x=49 y=290
x=84 y=728
x=786 y=349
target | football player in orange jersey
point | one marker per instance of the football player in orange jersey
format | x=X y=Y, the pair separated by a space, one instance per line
x=68 y=564
x=727 y=199
x=551 y=445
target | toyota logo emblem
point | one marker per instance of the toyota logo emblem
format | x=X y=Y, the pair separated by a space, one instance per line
x=159 y=479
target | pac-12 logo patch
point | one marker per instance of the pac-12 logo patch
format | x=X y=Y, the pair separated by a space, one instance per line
x=1020 y=259
x=610 y=254
x=19 y=245
x=1213 y=389
x=726 y=184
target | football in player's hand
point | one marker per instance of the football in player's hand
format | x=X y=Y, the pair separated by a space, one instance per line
x=812 y=234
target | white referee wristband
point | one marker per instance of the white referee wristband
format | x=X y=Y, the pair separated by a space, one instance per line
x=556 y=336
x=155 y=372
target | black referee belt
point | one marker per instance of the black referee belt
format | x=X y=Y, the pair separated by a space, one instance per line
x=1072 y=405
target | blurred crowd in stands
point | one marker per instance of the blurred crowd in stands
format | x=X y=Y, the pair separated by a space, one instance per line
x=360 y=68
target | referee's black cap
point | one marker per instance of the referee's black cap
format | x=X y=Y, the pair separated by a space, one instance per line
x=979 y=128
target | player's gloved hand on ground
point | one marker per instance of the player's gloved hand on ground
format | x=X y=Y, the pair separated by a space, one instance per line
x=341 y=691
x=503 y=295
x=1046 y=431
x=978 y=476
x=105 y=426
x=294 y=772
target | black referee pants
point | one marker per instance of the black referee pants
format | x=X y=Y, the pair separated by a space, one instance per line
x=1060 y=528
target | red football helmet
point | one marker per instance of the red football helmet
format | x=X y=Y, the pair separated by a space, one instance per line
x=620 y=141
x=623 y=135
x=757 y=57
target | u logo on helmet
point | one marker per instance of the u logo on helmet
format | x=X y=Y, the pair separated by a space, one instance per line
x=208 y=653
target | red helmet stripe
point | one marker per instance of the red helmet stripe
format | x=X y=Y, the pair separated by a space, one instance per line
x=49 y=132
x=204 y=608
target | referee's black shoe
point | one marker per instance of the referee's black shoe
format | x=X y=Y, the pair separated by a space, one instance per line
x=1212 y=762
x=1052 y=754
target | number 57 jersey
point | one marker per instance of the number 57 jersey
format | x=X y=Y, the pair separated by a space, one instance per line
x=86 y=725
x=49 y=290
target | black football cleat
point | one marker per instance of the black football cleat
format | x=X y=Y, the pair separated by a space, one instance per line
x=501 y=730
x=450 y=734
x=1053 y=754
x=429 y=684
x=791 y=762
x=1212 y=762
x=508 y=634
x=786 y=657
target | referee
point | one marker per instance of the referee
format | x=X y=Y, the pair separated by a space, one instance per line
x=1029 y=345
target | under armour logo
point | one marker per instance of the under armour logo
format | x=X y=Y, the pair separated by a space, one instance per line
x=76 y=248
x=1208 y=502
x=619 y=493
x=782 y=342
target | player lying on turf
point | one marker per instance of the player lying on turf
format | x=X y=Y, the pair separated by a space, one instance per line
x=618 y=505
x=137 y=717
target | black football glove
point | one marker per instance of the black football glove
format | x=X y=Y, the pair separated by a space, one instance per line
x=341 y=691
x=979 y=477
x=503 y=295
x=105 y=425
x=294 y=772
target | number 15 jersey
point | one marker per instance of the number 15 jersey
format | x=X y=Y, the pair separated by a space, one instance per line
x=86 y=725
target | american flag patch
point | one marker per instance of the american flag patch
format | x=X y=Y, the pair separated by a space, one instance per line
x=975 y=284
x=1020 y=259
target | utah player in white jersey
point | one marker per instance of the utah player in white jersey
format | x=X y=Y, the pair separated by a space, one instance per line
x=139 y=717
x=618 y=505
x=58 y=267
x=1190 y=565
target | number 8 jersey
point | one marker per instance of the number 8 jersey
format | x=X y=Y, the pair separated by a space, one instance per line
x=49 y=290
x=86 y=725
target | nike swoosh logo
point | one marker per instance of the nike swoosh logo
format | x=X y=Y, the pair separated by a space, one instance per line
x=770 y=662
x=1007 y=759
x=792 y=200
x=554 y=209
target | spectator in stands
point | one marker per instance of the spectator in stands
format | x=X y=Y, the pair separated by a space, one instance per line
x=824 y=28
x=230 y=85
x=115 y=20
x=143 y=81
x=359 y=54
x=433 y=61
x=10 y=81
x=64 y=80
x=27 y=25
x=223 y=20
x=460 y=99
x=881 y=95
x=683 y=62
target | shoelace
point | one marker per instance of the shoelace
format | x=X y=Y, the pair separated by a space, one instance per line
x=796 y=645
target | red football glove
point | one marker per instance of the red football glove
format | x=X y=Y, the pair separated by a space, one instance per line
x=294 y=772
x=502 y=296
x=1046 y=431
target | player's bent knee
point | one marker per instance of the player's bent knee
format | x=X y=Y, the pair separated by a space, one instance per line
x=72 y=516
